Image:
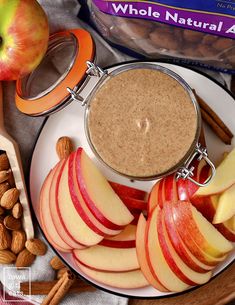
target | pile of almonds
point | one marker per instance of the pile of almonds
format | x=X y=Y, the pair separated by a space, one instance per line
x=14 y=248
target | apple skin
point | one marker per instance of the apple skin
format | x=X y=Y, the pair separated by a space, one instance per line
x=24 y=37
x=128 y=191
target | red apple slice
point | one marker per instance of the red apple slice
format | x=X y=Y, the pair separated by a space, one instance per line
x=127 y=191
x=124 y=280
x=74 y=224
x=80 y=205
x=170 y=188
x=126 y=239
x=177 y=265
x=161 y=193
x=45 y=215
x=132 y=203
x=192 y=261
x=55 y=214
x=104 y=258
x=102 y=201
x=157 y=260
x=204 y=234
x=141 y=239
x=153 y=197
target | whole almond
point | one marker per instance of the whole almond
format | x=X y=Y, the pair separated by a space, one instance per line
x=3 y=188
x=61 y=272
x=64 y=147
x=11 y=179
x=11 y=223
x=24 y=259
x=9 y=198
x=5 y=238
x=7 y=257
x=2 y=211
x=4 y=175
x=17 y=210
x=36 y=246
x=4 y=162
x=18 y=241
x=56 y=263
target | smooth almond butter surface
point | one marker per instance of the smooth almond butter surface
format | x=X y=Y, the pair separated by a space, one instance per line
x=64 y=147
x=9 y=198
x=3 y=188
x=36 y=246
x=11 y=223
x=18 y=241
x=5 y=238
x=56 y=263
x=4 y=162
x=4 y=175
x=24 y=259
x=17 y=210
x=7 y=257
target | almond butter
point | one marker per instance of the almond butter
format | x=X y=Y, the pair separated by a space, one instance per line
x=17 y=210
x=9 y=198
x=3 y=188
x=11 y=223
x=24 y=259
x=4 y=162
x=5 y=238
x=56 y=263
x=36 y=246
x=4 y=175
x=18 y=241
x=64 y=147
x=61 y=272
x=2 y=211
x=7 y=257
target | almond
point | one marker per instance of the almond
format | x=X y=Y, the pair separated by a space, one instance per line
x=17 y=210
x=61 y=272
x=3 y=188
x=56 y=263
x=5 y=238
x=4 y=162
x=7 y=257
x=9 y=198
x=18 y=241
x=24 y=259
x=2 y=211
x=36 y=246
x=11 y=223
x=4 y=175
x=11 y=179
x=64 y=147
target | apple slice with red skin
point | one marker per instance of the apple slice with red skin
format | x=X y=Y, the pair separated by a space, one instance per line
x=126 y=239
x=132 y=203
x=177 y=265
x=45 y=215
x=127 y=191
x=71 y=220
x=192 y=261
x=124 y=280
x=161 y=193
x=141 y=239
x=153 y=197
x=101 y=199
x=81 y=206
x=110 y=259
x=170 y=188
x=55 y=213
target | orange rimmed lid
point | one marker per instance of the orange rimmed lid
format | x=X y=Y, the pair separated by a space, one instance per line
x=44 y=90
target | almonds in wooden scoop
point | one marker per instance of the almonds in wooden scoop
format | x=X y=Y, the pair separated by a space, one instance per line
x=11 y=223
x=17 y=210
x=4 y=162
x=36 y=246
x=18 y=241
x=24 y=259
x=3 y=188
x=9 y=198
x=7 y=257
x=5 y=238
x=4 y=175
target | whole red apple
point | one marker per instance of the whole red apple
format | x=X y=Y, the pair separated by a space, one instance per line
x=24 y=34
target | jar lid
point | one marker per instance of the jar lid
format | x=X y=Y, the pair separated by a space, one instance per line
x=44 y=90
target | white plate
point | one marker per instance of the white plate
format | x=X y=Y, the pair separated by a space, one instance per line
x=70 y=122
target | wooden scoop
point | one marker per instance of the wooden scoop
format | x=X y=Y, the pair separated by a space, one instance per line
x=12 y=150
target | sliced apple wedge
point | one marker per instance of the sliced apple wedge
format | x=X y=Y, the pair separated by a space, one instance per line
x=157 y=260
x=226 y=206
x=141 y=239
x=153 y=197
x=134 y=204
x=231 y=223
x=124 y=280
x=127 y=191
x=101 y=199
x=104 y=258
x=177 y=265
x=126 y=239
x=224 y=178
x=204 y=233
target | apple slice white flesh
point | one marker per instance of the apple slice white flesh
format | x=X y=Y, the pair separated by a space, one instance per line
x=81 y=206
x=226 y=206
x=177 y=265
x=204 y=233
x=224 y=177
x=231 y=223
x=104 y=258
x=74 y=224
x=99 y=195
x=45 y=215
x=157 y=260
x=141 y=239
x=124 y=280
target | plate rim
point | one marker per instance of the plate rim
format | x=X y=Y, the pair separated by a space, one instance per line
x=174 y=294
